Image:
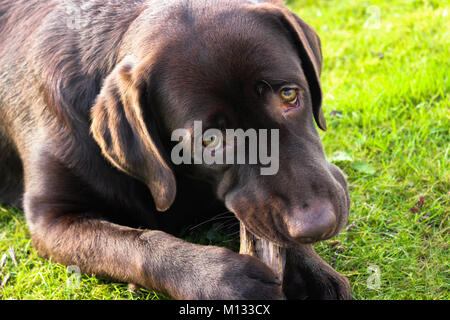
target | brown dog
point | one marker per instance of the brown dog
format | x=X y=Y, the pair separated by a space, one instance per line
x=89 y=96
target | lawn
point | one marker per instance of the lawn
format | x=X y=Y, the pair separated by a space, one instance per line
x=387 y=101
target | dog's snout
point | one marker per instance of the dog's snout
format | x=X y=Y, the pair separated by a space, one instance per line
x=311 y=224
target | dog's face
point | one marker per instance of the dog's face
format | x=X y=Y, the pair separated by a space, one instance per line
x=258 y=68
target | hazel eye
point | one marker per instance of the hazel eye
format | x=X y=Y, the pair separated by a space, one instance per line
x=289 y=96
x=212 y=142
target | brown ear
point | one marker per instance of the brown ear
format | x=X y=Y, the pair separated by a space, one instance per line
x=308 y=45
x=310 y=48
x=120 y=130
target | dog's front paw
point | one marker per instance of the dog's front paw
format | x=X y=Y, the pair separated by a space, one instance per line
x=309 y=277
x=231 y=276
x=187 y=271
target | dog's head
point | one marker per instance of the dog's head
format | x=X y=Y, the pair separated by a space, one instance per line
x=247 y=66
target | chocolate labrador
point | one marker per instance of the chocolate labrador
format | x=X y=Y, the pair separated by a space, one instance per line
x=90 y=94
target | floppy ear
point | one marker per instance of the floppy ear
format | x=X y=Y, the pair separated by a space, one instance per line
x=123 y=135
x=310 y=49
x=308 y=45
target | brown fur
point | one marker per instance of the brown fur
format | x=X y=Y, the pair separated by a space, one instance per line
x=86 y=115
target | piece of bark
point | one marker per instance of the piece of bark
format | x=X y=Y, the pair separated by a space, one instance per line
x=5 y=280
x=12 y=254
x=3 y=261
x=269 y=253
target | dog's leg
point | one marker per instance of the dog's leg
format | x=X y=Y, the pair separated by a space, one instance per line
x=152 y=259
x=308 y=276
x=11 y=175
x=64 y=228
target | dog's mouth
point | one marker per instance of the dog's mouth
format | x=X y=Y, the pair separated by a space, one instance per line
x=280 y=239
x=269 y=250
x=267 y=233
x=282 y=232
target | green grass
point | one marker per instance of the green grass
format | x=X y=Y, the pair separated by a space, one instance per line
x=387 y=104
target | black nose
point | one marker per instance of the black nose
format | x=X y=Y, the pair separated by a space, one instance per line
x=316 y=222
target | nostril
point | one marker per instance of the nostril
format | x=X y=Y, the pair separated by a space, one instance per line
x=315 y=223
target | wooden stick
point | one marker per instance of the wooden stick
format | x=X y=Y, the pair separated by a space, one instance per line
x=266 y=251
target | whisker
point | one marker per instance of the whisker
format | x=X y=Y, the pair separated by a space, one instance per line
x=234 y=234
x=232 y=224
x=224 y=225
x=220 y=216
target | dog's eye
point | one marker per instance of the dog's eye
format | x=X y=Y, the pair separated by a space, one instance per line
x=289 y=96
x=212 y=142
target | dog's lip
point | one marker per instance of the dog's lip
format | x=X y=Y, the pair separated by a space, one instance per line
x=326 y=236
x=290 y=243
x=287 y=244
x=306 y=240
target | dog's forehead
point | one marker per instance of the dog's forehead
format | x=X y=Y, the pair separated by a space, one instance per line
x=209 y=66
x=239 y=51
x=227 y=71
